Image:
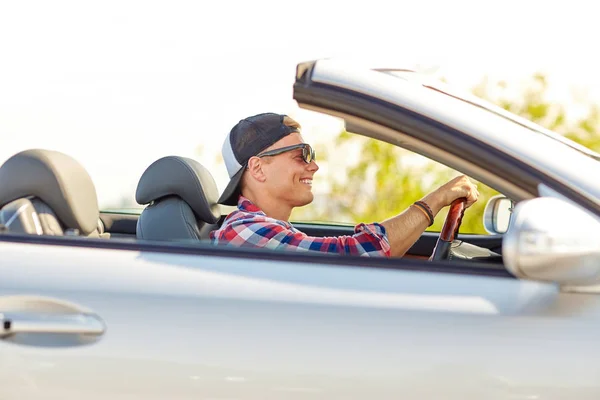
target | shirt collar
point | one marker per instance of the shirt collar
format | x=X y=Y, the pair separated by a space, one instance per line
x=246 y=205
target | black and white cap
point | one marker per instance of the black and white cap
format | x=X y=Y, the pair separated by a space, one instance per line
x=247 y=139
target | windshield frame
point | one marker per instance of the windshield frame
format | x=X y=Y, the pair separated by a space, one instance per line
x=442 y=87
x=446 y=129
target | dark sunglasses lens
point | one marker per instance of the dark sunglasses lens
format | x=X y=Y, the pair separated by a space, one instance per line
x=308 y=153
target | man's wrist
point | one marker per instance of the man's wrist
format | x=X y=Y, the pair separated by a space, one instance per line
x=435 y=202
x=426 y=210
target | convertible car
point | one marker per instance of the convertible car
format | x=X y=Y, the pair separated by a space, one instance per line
x=97 y=304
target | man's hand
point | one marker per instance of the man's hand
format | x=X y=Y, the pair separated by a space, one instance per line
x=461 y=186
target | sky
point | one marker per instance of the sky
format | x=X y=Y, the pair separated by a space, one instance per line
x=119 y=84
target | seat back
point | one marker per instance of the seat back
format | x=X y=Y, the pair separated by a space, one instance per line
x=46 y=192
x=181 y=197
x=20 y=216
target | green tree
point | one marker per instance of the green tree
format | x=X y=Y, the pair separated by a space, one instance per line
x=533 y=104
x=386 y=179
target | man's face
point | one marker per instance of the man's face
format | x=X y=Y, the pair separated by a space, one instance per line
x=288 y=176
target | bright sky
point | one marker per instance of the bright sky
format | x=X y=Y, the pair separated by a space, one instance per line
x=118 y=84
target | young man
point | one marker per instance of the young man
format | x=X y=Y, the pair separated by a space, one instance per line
x=271 y=171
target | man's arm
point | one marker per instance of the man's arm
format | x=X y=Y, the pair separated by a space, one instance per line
x=404 y=229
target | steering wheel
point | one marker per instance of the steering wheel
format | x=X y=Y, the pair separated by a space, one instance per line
x=450 y=230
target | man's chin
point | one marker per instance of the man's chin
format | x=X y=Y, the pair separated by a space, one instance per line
x=305 y=200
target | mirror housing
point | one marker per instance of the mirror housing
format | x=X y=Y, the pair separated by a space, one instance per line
x=553 y=240
x=497 y=214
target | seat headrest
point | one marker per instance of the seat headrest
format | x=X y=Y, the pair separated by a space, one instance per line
x=183 y=177
x=56 y=179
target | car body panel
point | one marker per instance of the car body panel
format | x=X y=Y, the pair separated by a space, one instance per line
x=181 y=326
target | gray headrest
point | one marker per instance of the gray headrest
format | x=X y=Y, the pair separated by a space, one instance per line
x=183 y=177
x=57 y=180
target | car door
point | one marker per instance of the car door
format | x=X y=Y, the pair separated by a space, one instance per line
x=197 y=323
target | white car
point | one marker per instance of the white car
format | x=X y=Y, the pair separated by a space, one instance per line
x=97 y=305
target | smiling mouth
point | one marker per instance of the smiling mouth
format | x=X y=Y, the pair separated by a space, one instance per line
x=306 y=181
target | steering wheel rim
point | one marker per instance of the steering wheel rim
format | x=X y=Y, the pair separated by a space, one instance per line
x=450 y=230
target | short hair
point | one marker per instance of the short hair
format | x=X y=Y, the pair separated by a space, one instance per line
x=287 y=121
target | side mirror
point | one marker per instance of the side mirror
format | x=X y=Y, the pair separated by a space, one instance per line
x=551 y=240
x=497 y=214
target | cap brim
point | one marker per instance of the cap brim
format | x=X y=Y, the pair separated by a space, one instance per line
x=232 y=191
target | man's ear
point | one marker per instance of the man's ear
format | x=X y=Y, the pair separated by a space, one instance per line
x=255 y=169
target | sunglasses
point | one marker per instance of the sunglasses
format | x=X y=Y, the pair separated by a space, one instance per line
x=308 y=154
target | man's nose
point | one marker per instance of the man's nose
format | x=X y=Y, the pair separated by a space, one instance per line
x=312 y=166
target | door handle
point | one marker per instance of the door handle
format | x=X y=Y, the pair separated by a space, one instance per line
x=44 y=321
x=26 y=322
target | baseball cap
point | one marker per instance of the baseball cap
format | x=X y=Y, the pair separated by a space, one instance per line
x=246 y=139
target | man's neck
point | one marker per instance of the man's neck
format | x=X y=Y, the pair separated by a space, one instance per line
x=271 y=207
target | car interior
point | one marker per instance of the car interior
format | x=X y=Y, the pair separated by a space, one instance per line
x=46 y=192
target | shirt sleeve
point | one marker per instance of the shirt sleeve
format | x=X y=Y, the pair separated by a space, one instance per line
x=369 y=240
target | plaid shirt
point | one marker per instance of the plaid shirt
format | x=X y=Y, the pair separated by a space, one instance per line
x=249 y=226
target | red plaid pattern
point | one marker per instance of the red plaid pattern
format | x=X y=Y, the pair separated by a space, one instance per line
x=249 y=226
